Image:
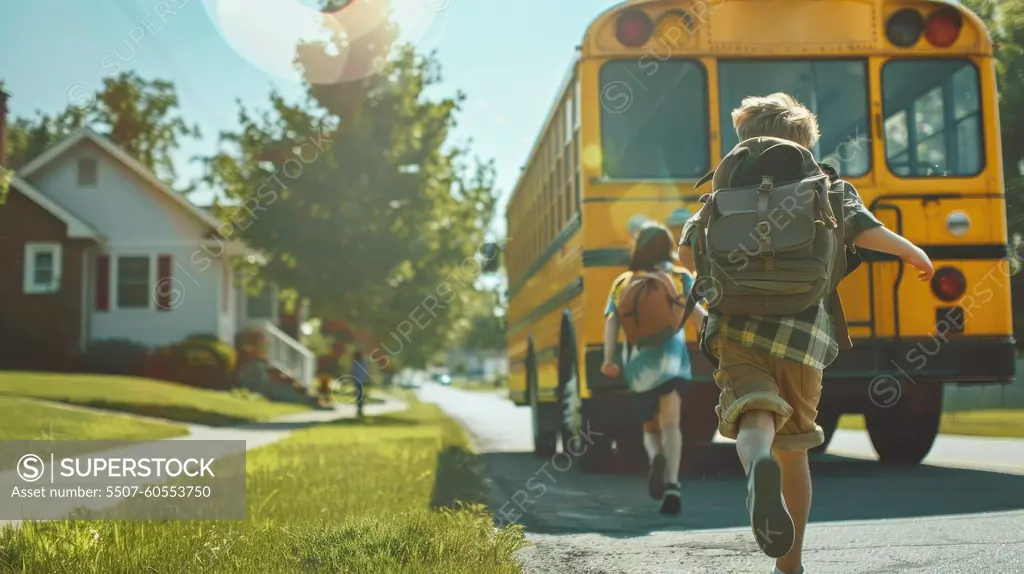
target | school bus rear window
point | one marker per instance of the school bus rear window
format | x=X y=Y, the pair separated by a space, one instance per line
x=654 y=119
x=932 y=118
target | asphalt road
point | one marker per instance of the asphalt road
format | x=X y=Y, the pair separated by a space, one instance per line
x=961 y=512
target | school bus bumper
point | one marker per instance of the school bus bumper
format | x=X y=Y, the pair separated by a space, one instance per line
x=978 y=360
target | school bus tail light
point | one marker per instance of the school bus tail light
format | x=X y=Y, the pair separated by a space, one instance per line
x=943 y=27
x=634 y=28
x=949 y=284
x=904 y=27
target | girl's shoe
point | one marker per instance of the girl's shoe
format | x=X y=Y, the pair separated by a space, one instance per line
x=656 y=477
x=670 y=501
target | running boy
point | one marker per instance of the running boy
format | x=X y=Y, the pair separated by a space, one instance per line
x=770 y=367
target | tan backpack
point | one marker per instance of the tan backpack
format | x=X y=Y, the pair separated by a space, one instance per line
x=650 y=309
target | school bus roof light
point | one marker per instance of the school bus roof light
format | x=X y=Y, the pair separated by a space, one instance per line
x=904 y=27
x=634 y=28
x=943 y=27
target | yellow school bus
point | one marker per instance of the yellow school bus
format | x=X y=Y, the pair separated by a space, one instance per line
x=905 y=96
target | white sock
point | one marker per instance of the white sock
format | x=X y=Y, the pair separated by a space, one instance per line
x=672 y=442
x=652 y=444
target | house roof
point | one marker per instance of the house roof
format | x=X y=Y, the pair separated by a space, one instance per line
x=77 y=227
x=125 y=159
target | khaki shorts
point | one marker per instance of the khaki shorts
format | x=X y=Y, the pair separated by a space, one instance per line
x=751 y=379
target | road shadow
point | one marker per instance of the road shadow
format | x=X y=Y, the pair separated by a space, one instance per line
x=553 y=496
x=459 y=479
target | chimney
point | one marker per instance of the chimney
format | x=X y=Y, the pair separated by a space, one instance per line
x=3 y=127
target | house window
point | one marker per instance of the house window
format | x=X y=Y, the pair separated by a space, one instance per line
x=86 y=172
x=260 y=306
x=42 y=267
x=133 y=275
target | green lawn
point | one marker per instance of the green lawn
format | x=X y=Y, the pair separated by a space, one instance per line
x=33 y=420
x=144 y=397
x=347 y=497
x=994 y=423
x=475 y=385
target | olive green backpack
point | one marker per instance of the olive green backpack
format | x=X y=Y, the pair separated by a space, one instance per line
x=769 y=237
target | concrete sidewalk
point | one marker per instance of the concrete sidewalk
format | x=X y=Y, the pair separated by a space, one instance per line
x=254 y=434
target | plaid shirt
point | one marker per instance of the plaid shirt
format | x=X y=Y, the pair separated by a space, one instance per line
x=809 y=337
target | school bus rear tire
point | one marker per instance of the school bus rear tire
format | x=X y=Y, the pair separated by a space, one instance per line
x=591 y=447
x=904 y=433
x=545 y=439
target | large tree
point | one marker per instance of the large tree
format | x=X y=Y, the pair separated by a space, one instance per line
x=139 y=115
x=359 y=202
x=1005 y=21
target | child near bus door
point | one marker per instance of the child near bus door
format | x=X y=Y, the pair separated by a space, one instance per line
x=646 y=302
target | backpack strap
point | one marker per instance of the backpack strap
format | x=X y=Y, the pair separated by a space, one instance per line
x=666 y=279
x=700 y=251
x=707 y=177
x=764 y=228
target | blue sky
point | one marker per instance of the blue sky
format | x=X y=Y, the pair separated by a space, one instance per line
x=507 y=57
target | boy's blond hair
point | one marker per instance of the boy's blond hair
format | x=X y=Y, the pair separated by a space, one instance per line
x=777 y=115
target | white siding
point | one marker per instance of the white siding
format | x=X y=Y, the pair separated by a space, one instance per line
x=226 y=310
x=195 y=301
x=121 y=204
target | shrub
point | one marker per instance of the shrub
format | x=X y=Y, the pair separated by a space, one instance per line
x=224 y=351
x=197 y=361
x=116 y=357
x=251 y=344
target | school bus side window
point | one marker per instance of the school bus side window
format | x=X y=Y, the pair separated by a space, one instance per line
x=932 y=118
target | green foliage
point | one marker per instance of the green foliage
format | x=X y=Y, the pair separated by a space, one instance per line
x=1005 y=21
x=358 y=207
x=395 y=494
x=199 y=361
x=484 y=330
x=5 y=183
x=142 y=396
x=138 y=115
x=29 y=419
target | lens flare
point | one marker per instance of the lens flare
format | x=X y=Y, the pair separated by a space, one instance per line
x=354 y=36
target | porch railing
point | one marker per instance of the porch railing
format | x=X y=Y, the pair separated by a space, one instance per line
x=289 y=355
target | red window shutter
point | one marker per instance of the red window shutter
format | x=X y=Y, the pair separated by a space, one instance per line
x=164 y=283
x=103 y=283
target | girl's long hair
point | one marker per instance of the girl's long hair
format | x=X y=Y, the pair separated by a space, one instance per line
x=654 y=248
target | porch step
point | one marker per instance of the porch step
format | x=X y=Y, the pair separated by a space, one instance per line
x=263 y=378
